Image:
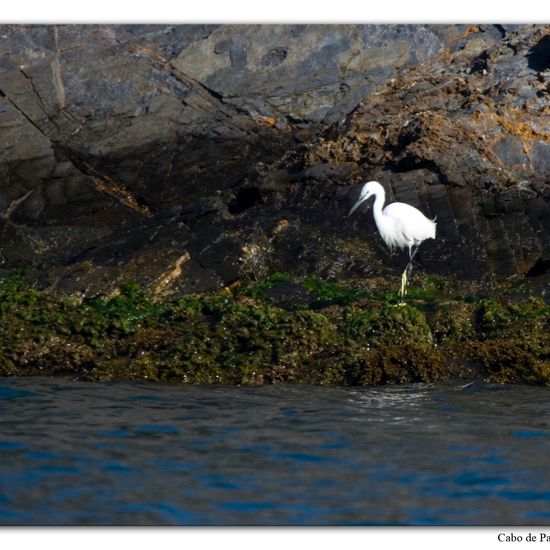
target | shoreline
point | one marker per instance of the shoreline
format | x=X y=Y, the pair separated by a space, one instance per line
x=285 y=329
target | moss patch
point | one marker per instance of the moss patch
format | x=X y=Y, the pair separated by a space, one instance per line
x=334 y=335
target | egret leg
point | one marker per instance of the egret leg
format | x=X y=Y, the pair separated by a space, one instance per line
x=403 y=290
x=407 y=273
x=412 y=254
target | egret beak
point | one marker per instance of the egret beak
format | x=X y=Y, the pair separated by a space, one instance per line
x=356 y=205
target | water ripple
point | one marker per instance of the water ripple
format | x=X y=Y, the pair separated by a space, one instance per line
x=138 y=454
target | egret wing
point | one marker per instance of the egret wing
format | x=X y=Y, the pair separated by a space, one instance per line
x=410 y=225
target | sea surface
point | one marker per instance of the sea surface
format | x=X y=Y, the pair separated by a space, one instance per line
x=79 y=453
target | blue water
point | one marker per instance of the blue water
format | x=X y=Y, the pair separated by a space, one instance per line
x=75 y=453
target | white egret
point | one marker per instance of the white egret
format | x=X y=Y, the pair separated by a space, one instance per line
x=400 y=225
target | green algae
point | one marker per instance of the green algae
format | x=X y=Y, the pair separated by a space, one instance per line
x=345 y=335
x=258 y=291
x=331 y=292
x=386 y=324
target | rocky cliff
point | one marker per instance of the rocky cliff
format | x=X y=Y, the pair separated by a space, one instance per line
x=188 y=158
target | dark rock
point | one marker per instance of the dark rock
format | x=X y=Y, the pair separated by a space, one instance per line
x=539 y=55
x=246 y=198
x=326 y=172
x=540 y=267
x=187 y=157
x=480 y=63
x=288 y=295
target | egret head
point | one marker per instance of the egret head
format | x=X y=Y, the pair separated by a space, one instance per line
x=370 y=188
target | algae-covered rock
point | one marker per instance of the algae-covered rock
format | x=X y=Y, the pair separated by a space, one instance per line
x=352 y=337
x=398 y=364
x=386 y=324
x=453 y=322
x=513 y=341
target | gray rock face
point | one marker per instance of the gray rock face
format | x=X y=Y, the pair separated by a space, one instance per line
x=541 y=158
x=312 y=72
x=510 y=151
x=189 y=157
